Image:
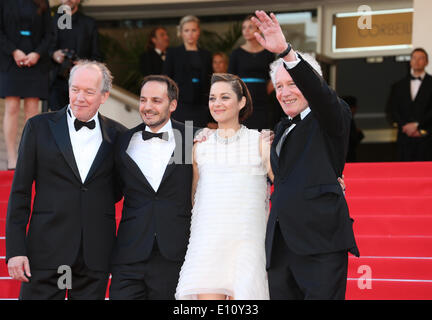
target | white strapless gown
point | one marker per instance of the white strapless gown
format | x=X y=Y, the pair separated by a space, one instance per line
x=226 y=251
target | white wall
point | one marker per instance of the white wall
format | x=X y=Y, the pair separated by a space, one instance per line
x=422 y=26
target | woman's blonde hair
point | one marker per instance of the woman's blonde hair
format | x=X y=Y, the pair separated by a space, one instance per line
x=185 y=20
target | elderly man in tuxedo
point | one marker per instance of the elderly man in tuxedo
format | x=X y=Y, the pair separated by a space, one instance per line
x=309 y=231
x=68 y=155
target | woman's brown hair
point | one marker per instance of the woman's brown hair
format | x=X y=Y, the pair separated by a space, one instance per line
x=239 y=88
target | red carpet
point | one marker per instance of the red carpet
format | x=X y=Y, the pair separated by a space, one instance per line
x=392 y=207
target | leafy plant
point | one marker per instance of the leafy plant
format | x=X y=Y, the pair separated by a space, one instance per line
x=225 y=42
x=124 y=58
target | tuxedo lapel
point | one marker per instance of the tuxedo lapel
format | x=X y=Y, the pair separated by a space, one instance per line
x=178 y=150
x=296 y=139
x=104 y=149
x=129 y=163
x=424 y=89
x=60 y=132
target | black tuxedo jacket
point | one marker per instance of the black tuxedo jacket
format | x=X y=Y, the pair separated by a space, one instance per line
x=10 y=33
x=307 y=199
x=404 y=110
x=148 y=216
x=66 y=212
x=87 y=44
x=151 y=63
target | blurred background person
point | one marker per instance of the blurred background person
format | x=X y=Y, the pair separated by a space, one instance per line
x=251 y=63
x=25 y=31
x=191 y=68
x=410 y=105
x=153 y=59
x=356 y=135
x=220 y=62
x=67 y=47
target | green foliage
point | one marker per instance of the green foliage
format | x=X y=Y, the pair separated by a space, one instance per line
x=124 y=58
x=215 y=42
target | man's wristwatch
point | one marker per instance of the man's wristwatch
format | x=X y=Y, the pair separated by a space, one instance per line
x=287 y=50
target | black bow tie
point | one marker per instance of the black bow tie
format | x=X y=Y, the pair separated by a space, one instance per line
x=147 y=135
x=286 y=122
x=79 y=124
x=416 y=78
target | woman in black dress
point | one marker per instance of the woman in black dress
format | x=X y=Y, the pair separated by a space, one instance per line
x=251 y=63
x=191 y=68
x=25 y=30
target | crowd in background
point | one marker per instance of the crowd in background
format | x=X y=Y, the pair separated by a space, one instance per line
x=36 y=56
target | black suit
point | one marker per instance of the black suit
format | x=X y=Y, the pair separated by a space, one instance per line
x=151 y=62
x=404 y=109
x=10 y=34
x=154 y=230
x=70 y=220
x=193 y=96
x=309 y=211
x=83 y=38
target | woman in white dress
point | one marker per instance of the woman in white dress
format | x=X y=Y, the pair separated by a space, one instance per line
x=226 y=253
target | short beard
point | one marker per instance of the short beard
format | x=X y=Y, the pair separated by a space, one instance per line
x=156 y=124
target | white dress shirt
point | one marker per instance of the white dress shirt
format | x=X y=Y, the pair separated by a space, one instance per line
x=152 y=156
x=415 y=85
x=303 y=114
x=85 y=143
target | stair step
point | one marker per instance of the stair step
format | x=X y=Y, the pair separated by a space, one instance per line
x=393 y=225
x=390 y=289
x=391 y=267
x=9 y=288
x=5 y=192
x=403 y=205
x=389 y=187
x=388 y=170
x=398 y=246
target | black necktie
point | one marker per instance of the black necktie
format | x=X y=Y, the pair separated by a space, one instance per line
x=416 y=78
x=147 y=135
x=79 y=124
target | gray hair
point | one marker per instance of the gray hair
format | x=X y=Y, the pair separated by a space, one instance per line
x=275 y=65
x=107 y=77
x=185 y=20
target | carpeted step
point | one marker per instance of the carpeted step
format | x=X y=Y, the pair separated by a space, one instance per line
x=5 y=192
x=402 y=205
x=2 y=227
x=9 y=288
x=397 y=246
x=3 y=267
x=393 y=225
x=2 y=246
x=391 y=267
x=390 y=289
x=388 y=170
x=389 y=187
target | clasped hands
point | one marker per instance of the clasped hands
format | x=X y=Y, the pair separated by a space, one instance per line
x=25 y=60
x=411 y=130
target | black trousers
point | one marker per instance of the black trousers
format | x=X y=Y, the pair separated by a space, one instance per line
x=153 y=279
x=86 y=284
x=313 y=277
